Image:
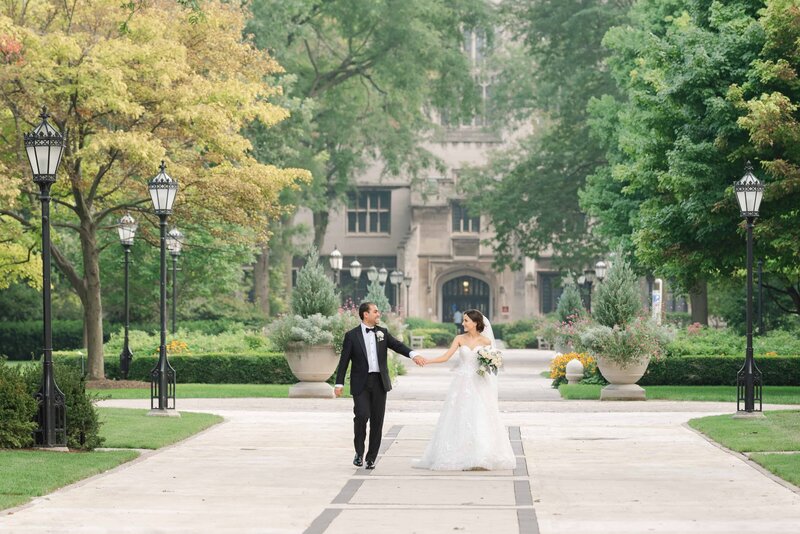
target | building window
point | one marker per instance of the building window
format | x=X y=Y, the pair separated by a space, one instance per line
x=369 y=212
x=463 y=222
x=549 y=291
x=475 y=45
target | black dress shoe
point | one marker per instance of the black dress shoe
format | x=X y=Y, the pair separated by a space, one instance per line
x=370 y=465
x=358 y=461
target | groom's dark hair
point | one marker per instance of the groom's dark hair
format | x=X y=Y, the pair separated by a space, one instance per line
x=477 y=318
x=364 y=308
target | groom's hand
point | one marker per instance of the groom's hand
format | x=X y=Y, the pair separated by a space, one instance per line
x=419 y=360
x=338 y=391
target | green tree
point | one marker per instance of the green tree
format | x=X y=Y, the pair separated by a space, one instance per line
x=617 y=300
x=769 y=102
x=570 y=305
x=554 y=66
x=315 y=292
x=132 y=85
x=376 y=293
x=674 y=141
x=362 y=78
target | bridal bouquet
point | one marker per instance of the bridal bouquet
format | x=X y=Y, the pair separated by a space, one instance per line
x=489 y=360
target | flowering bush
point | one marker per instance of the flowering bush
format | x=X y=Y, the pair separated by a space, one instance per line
x=558 y=367
x=694 y=329
x=629 y=345
x=490 y=360
x=567 y=334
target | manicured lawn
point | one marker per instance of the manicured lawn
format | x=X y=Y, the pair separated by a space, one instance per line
x=27 y=474
x=777 y=431
x=786 y=466
x=208 y=391
x=134 y=429
x=773 y=395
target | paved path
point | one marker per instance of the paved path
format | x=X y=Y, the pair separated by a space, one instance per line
x=278 y=465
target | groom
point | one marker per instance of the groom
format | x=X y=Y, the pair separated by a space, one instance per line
x=365 y=346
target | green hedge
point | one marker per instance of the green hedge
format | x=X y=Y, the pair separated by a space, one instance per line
x=206 y=326
x=433 y=337
x=720 y=371
x=22 y=340
x=265 y=368
x=414 y=323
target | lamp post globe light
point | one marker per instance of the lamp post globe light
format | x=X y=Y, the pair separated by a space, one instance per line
x=749 y=192
x=396 y=278
x=336 y=261
x=127 y=230
x=174 y=245
x=407 y=283
x=45 y=146
x=163 y=190
x=600 y=270
x=383 y=274
x=372 y=273
x=355 y=273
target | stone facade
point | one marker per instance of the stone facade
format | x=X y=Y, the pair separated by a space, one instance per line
x=444 y=255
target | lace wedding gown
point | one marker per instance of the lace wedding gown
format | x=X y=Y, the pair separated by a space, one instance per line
x=469 y=434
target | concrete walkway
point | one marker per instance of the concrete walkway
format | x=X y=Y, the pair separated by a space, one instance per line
x=280 y=465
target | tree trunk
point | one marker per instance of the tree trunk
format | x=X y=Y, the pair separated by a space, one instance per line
x=92 y=303
x=261 y=279
x=699 y=299
x=320 y=227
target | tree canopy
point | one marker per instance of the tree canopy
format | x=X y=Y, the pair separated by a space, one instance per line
x=364 y=77
x=132 y=85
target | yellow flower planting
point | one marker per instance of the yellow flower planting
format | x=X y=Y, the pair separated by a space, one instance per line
x=176 y=346
x=558 y=367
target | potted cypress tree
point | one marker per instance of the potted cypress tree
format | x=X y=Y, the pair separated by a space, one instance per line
x=307 y=335
x=622 y=342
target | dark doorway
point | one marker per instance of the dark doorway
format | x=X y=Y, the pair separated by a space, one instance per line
x=464 y=293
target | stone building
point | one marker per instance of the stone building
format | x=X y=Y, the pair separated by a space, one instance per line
x=424 y=230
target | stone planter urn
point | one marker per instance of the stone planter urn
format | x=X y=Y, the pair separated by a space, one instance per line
x=622 y=381
x=313 y=365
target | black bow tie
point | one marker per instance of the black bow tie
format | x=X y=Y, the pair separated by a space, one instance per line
x=370 y=330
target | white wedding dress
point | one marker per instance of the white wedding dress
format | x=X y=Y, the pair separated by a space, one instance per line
x=469 y=433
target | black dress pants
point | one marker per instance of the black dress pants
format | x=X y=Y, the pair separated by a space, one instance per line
x=369 y=405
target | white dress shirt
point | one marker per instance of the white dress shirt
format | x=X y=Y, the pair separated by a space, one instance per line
x=371 y=342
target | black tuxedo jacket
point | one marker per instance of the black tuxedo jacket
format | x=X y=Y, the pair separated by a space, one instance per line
x=354 y=351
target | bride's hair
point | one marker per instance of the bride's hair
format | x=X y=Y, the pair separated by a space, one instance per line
x=477 y=318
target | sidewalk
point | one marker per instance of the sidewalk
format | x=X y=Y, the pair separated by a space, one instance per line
x=279 y=465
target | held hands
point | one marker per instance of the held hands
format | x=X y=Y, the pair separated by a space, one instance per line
x=419 y=360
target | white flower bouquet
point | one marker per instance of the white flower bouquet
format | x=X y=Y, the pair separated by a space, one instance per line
x=490 y=360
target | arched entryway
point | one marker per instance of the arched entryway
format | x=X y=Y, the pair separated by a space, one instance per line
x=464 y=293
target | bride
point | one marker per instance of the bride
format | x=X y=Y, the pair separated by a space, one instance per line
x=469 y=433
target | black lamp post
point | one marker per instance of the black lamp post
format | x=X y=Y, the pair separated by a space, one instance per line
x=588 y=277
x=355 y=273
x=163 y=190
x=174 y=245
x=45 y=146
x=749 y=191
x=407 y=283
x=127 y=230
x=396 y=278
x=761 y=329
x=336 y=261
x=383 y=274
